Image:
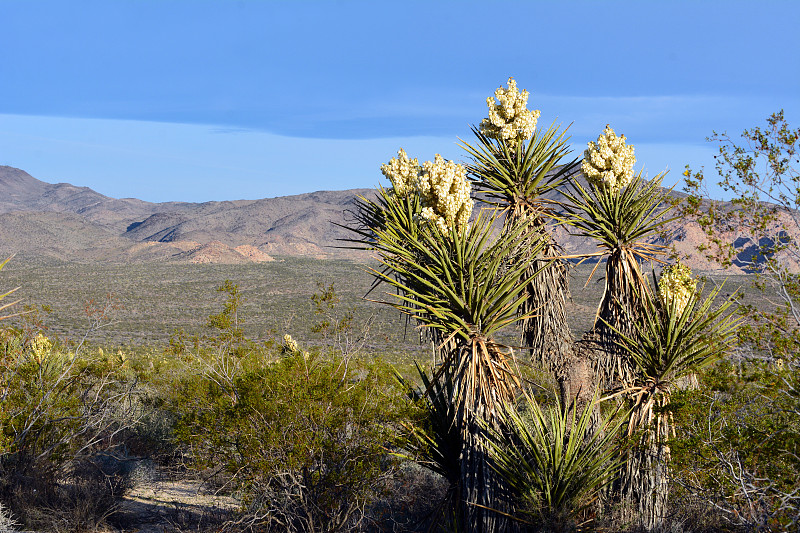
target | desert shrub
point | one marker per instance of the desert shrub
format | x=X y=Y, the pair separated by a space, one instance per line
x=303 y=438
x=738 y=445
x=741 y=431
x=63 y=417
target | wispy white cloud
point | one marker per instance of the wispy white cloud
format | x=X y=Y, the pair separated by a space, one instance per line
x=162 y=161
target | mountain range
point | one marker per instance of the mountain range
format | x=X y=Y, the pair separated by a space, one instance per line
x=63 y=222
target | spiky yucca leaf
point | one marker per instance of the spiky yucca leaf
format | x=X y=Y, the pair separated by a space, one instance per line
x=675 y=340
x=5 y=306
x=386 y=210
x=516 y=175
x=620 y=219
x=553 y=460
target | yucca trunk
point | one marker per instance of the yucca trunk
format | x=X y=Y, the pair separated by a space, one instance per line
x=644 y=484
x=484 y=389
x=483 y=492
x=546 y=333
x=617 y=316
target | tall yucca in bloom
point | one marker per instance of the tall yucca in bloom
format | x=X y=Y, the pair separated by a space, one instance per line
x=461 y=282
x=608 y=162
x=620 y=211
x=513 y=172
x=509 y=117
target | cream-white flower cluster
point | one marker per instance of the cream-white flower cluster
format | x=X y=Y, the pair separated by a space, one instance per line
x=445 y=193
x=402 y=172
x=509 y=116
x=441 y=184
x=40 y=346
x=676 y=285
x=608 y=163
x=289 y=344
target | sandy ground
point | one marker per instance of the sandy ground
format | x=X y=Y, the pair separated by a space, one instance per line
x=159 y=505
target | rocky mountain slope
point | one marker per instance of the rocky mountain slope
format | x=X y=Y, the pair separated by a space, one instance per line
x=69 y=223
x=65 y=222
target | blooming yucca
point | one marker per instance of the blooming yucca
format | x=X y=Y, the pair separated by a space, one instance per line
x=608 y=163
x=40 y=346
x=509 y=117
x=441 y=184
x=676 y=286
x=445 y=193
x=402 y=172
x=289 y=344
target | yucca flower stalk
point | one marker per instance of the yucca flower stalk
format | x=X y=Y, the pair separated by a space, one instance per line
x=620 y=221
x=509 y=118
x=514 y=177
x=674 y=338
x=556 y=462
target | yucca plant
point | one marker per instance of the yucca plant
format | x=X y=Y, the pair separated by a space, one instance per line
x=555 y=462
x=620 y=221
x=464 y=283
x=513 y=174
x=677 y=335
x=514 y=177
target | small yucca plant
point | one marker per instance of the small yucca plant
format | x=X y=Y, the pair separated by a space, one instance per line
x=677 y=335
x=674 y=339
x=555 y=462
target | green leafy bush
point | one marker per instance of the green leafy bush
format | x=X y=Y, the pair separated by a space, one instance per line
x=304 y=440
x=63 y=418
x=738 y=444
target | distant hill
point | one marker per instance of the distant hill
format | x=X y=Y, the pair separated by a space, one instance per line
x=65 y=222
x=68 y=223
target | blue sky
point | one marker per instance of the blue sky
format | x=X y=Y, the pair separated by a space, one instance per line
x=198 y=100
